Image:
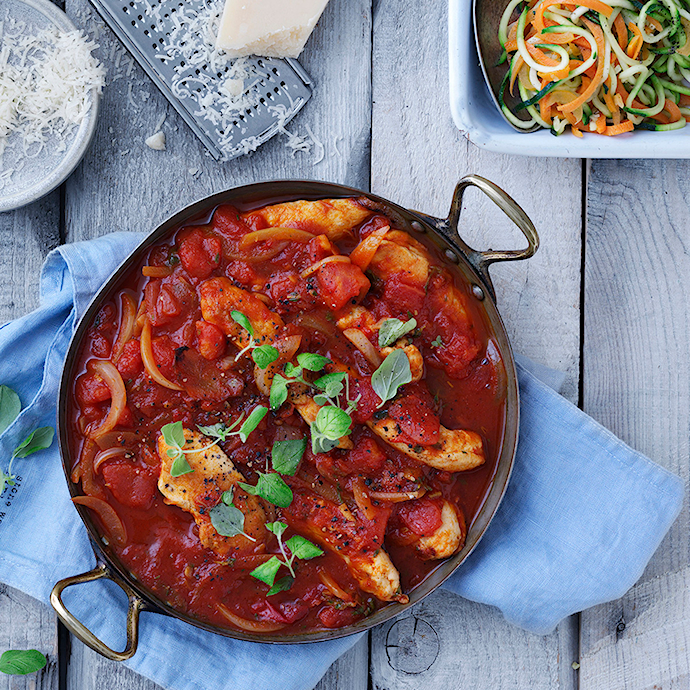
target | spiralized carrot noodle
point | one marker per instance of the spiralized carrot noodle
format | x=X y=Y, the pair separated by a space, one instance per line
x=110 y=519
x=289 y=234
x=336 y=258
x=157 y=271
x=127 y=319
x=118 y=396
x=105 y=455
x=249 y=626
x=363 y=344
x=396 y=496
x=333 y=586
x=364 y=252
x=149 y=361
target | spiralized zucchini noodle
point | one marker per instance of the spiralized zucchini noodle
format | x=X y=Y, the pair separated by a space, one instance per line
x=594 y=66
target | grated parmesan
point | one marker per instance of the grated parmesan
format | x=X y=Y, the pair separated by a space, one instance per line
x=46 y=78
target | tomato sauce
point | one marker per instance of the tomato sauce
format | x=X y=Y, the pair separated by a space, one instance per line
x=156 y=354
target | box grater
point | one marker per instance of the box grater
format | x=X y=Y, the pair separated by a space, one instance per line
x=279 y=88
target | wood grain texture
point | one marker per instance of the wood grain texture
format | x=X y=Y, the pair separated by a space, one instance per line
x=123 y=185
x=637 y=383
x=26 y=236
x=417 y=158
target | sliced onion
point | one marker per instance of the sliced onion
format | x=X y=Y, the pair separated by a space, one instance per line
x=111 y=521
x=279 y=233
x=362 y=498
x=333 y=586
x=317 y=322
x=250 y=626
x=396 y=496
x=149 y=361
x=157 y=271
x=286 y=346
x=336 y=258
x=364 y=252
x=127 y=320
x=254 y=256
x=363 y=344
x=320 y=486
x=125 y=439
x=118 y=395
x=347 y=513
x=105 y=455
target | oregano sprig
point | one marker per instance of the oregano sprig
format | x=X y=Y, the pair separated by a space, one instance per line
x=226 y=518
x=263 y=355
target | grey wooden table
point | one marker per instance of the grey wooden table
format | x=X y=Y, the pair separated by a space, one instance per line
x=606 y=300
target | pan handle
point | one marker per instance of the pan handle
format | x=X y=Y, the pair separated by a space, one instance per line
x=482 y=260
x=77 y=628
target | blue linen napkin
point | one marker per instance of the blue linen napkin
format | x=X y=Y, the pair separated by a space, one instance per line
x=582 y=516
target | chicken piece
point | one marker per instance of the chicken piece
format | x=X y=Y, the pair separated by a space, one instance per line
x=456 y=450
x=401 y=255
x=199 y=491
x=219 y=297
x=332 y=217
x=414 y=357
x=358 y=543
x=308 y=409
x=447 y=539
x=358 y=317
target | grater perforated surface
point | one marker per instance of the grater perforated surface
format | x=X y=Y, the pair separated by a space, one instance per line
x=278 y=88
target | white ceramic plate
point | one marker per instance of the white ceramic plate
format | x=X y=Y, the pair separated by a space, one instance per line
x=42 y=174
x=476 y=115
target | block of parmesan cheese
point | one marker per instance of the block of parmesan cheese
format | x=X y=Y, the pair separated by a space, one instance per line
x=274 y=28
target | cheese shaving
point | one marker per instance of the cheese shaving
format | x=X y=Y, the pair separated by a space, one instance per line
x=46 y=81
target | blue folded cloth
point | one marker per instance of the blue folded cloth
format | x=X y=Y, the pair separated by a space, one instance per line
x=582 y=516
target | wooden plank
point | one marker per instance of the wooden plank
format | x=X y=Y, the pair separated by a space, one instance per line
x=417 y=158
x=123 y=185
x=26 y=236
x=637 y=383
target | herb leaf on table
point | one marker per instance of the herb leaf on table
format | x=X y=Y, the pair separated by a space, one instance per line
x=20 y=662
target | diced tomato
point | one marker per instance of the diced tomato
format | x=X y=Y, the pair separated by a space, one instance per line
x=91 y=389
x=130 y=365
x=241 y=273
x=226 y=221
x=402 y=297
x=100 y=346
x=340 y=284
x=211 y=340
x=368 y=401
x=167 y=304
x=291 y=294
x=164 y=354
x=331 y=617
x=200 y=254
x=414 y=412
x=131 y=485
x=422 y=516
x=366 y=456
x=126 y=419
x=319 y=248
x=285 y=612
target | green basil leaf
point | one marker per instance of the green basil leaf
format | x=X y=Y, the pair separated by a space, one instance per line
x=276 y=528
x=332 y=422
x=437 y=342
x=332 y=384
x=281 y=585
x=311 y=361
x=393 y=373
x=40 y=439
x=257 y=414
x=227 y=519
x=267 y=571
x=173 y=434
x=286 y=455
x=242 y=320
x=18 y=662
x=302 y=548
x=272 y=488
x=265 y=355
x=180 y=466
x=10 y=407
x=321 y=399
x=228 y=496
x=215 y=431
x=392 y=329
x=321 y=444
x=279 y=392
x=292 y=371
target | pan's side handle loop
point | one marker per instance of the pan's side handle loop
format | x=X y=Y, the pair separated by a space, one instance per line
x=77 y=628
x=482 y=260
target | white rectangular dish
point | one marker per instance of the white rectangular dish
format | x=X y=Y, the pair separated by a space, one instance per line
x=477 y=117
